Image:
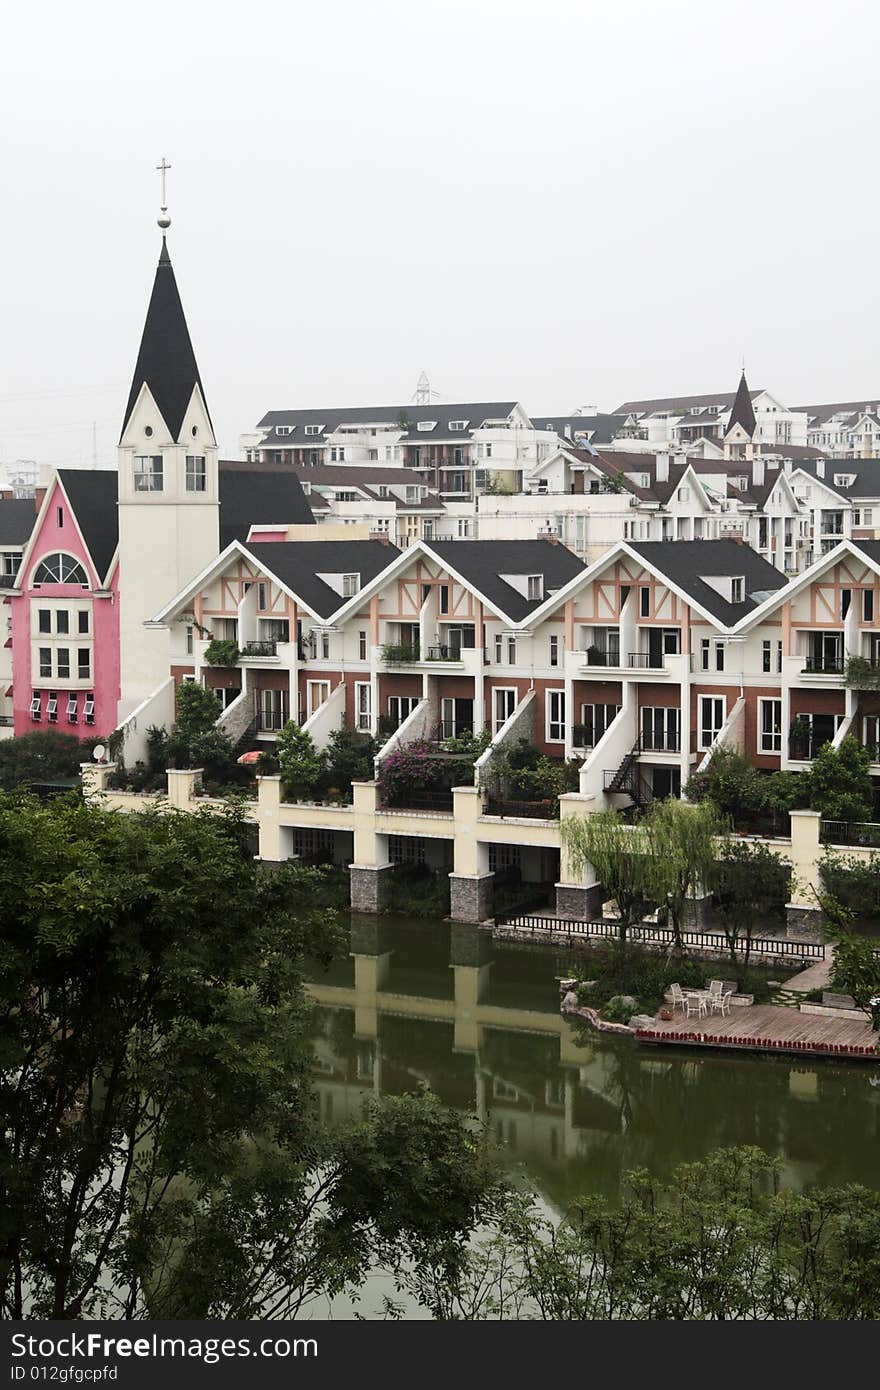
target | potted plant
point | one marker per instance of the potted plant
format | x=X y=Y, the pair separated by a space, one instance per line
x=666 y=1014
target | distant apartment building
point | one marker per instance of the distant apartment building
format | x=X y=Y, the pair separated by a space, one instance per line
x=458 y=450
x=845 y=429
x=681 y=421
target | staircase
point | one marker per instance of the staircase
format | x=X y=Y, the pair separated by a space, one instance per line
x=627 y=779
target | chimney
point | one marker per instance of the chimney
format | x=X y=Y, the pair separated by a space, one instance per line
x=820 y=468
x=758 y=471
x=738 y=537
x=662 y=468
x=39 y=494
x=552 y=537
x=381 y=536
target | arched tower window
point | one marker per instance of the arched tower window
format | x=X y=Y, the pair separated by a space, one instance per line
x=60 y=569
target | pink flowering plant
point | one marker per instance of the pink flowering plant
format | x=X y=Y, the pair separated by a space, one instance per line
x=416 y=767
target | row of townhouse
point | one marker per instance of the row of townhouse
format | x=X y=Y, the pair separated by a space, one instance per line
x=638 y=666
x=670 y=649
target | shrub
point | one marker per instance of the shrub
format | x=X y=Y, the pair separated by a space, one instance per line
x=349 y=758
x=222 y=652
x=841 y=787
x=302 y=766
x=43 y=756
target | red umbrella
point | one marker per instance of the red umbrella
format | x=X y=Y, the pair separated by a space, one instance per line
x=247 y=759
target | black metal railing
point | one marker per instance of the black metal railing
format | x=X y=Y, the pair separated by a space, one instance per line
x=270 y=721
x=268 y=648
x=422 y=801
x=399 y=653
x=453 y=728
x=805 y=749
x=823 y=666
x=528 y=810
x=597 y=656
x=645 y=661
x=444 y=652
x=667 y=744
x=841 y=832
x=664 y=936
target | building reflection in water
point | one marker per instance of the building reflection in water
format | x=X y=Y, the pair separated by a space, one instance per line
x=478 y=1020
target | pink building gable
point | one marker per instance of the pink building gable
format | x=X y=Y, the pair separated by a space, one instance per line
x=58 y=532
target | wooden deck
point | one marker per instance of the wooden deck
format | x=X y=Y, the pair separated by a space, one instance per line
x=768 y=1028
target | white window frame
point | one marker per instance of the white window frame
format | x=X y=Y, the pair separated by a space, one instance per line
x=196 y=473
x=396 y=705
x=149 y=473
x=72 y=710
x=312 y=703
x=554 y=697
x=554 y=649
x=770 y=742
x=534 y=588
x=505 y=690
x=351 y=584
x=36 y=708
x=363 y=706
x=52 y=708
x=702 y=721
x=89 y=709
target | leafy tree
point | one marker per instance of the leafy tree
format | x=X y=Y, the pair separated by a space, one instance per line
x=618 y=854
x=44 y=756
x=752 y=886
x=301 y=764
x=349 y=758
x=841 y=787
x=197 y=709
x=160 y=1151
x=737 y=789
x=718 y=1241
x=222 y=651
x=682 y=854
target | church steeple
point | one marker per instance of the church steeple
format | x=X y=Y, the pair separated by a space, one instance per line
x=166 y=362
x=742 y=413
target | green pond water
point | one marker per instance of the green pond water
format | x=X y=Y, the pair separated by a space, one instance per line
x=478 y=1020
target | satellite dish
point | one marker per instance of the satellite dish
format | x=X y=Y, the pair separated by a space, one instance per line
x=98 y=752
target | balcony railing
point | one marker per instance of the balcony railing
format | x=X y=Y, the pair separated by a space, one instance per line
x=260 y=648
x=446 y=653
x=823 y=666
x=400 y=653
x=599 y=656
x=668 y=744
x=645 y=661
x=270 y=721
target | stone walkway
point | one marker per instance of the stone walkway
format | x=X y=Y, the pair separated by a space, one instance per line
x=816 y=976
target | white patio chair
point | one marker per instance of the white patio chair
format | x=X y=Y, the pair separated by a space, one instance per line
x=720 y=1002
x=678 y=997
x=695 y=1004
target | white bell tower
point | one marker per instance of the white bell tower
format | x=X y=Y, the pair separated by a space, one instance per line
x=169 y=521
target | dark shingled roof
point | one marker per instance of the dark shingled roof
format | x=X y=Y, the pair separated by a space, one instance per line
x=688 y=403
x=818 y=414
x=92 y=493
x=297 y=564
x=259 y=495
x=685 y=562
x=17 y=518
x=482 y=563
x=166 y=361
x=865 y=471
x=599 y=429
x=743 y=413
x=328 y=419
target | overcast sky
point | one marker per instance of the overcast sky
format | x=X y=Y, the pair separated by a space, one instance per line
x=559 y=202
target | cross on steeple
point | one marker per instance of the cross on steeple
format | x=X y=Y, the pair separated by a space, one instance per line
x=164 y=220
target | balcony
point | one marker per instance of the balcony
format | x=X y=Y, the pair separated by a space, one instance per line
x=271 y=721
x=399 y=653
x=259 y=650
x=823 y=666
x=645 y=661
x=445 y=652
x=599 y=656
x=668 y=743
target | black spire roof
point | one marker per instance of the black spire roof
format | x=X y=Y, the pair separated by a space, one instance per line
x=742 y=412
x=166 y=361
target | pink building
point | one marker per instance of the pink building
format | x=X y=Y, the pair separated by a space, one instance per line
x=65 y=611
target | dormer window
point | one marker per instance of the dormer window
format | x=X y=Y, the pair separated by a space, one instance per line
x=148 y=473
x=535 y=588
x=844 y=479
x=306 y=487
x=644 y=480
x=351 y=583
x=311 y=429
x=285 y=429
x=426 y=426
x=458 y=424
x=737 y=589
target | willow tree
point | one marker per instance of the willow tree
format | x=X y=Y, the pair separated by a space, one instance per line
x=617 y=853
x=682 y=855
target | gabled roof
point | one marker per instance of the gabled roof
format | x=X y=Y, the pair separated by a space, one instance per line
x=685 y=563
x=166 y=361
x=481 y=565
x=599 y=428
x=328 y=419
x=866 y=473
x=742 y=413
x=818 y=414
x=92 y=493
x=257 y=494
x=17 y=519
x=686 y=403
x=298 y=564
